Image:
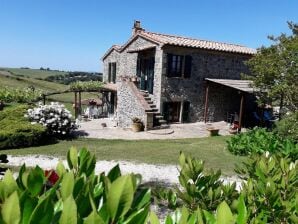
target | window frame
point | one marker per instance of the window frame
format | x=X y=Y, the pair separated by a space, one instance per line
x=112 y=72
x=179 y=63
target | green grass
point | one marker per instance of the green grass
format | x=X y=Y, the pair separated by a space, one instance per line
x=211 y=150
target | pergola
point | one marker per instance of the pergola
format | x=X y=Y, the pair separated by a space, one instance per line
x=109 y=87
x=242 y=86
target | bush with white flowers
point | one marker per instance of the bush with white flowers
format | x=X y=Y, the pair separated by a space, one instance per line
x=55 y=117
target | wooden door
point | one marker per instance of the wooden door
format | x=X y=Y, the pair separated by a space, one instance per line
x=171 y=111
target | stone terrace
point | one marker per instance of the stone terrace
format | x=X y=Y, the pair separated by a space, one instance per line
x=95 y=129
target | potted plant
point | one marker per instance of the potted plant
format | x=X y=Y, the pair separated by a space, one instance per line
x=137 y=125
x=212 y=130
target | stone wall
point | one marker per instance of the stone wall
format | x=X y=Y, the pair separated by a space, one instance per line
x=128 y=105
x=205 y=64
x=114 y=56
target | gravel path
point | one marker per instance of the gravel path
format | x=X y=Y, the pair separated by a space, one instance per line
x=150 y=173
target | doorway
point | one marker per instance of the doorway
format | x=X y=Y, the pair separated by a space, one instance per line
x=171 y=111
x=145 y=72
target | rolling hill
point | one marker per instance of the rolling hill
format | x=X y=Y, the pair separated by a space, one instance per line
x=22 y=78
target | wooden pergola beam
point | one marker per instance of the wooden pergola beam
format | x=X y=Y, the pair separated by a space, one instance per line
x=75 y=105
x=241 y=111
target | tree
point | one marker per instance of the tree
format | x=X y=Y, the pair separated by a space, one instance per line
x=275 y=70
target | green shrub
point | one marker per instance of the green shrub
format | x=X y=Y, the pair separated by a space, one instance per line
x=288 y=127
x=19 y=95
x=75 y=194
x=16 y=130
x=54 y=117
x=259 y=140
x=270 y=188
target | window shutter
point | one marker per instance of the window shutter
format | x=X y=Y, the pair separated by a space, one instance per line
x=169 y=63
x=185 y=112
x=114 y=72
x=187 y=66
x=110 y=72
x=165 y=111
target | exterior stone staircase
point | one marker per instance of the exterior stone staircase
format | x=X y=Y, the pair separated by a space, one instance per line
x=158 y=120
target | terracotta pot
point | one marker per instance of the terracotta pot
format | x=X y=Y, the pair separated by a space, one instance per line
x=213 y=131
x=137 y=127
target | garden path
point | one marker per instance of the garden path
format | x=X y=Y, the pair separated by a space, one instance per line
x=164 y=174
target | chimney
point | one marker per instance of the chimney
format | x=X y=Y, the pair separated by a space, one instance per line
x=136 y=27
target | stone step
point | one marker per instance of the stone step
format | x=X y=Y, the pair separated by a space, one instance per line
x=163 y=126
x=152 y=105
x=154 y=110
x=151 y=111
x=162 y=122
x=147 y=98
x=150 y=102
x=144 y=94
x=158 y=116
x=143 y=91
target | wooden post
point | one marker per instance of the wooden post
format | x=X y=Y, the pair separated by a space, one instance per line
x=80 y=104
x=206 y=102
x=241 y=112
x=44 y=99
x=75 y=105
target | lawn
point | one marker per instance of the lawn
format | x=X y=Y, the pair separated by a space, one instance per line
x=211 y=150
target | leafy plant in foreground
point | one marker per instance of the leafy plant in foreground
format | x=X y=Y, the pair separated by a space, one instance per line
x=270 y=189
x=202 y=189
x=78 y=196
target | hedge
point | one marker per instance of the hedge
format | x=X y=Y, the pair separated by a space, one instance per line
x=16 y=130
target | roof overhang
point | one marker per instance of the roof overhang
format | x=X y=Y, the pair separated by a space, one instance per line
x=141 y=49
x=241 y=85
x=113 y=48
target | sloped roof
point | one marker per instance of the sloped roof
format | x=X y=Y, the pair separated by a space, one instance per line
x=166 y=39
x=242 y=85
x=115 y=47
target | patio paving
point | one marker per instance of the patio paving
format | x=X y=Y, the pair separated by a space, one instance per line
x=95 y=129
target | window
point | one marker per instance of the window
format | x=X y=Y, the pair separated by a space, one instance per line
x=112 y=72
x=179 y=66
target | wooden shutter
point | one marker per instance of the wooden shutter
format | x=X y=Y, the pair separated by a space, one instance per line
x=185 y=112
x=110 y=72
x=169 y=63
x=187 y=66
x=165 y=111
x=114 y=72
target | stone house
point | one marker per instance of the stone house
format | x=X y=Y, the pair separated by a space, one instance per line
x=161 y=78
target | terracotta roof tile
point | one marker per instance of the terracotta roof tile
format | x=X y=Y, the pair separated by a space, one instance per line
x=166 y=39
x=195 y=43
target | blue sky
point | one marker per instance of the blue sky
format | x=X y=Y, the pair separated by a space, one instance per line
x=73 y=34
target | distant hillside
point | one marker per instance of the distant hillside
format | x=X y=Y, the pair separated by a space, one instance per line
x=33 y=73
x=22 y=78
x=74 y=76
x=47 y=74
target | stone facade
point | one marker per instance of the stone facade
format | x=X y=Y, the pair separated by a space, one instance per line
x=205 y=64
x=128 y=105
x=114 y=56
